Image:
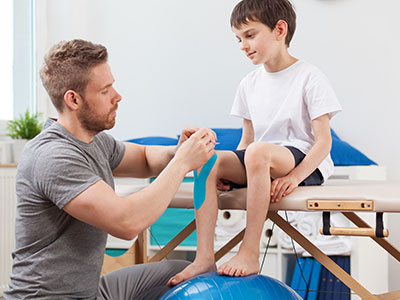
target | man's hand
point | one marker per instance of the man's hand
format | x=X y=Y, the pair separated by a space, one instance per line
x=282 y=187
x=187 y=131
x=196 y=148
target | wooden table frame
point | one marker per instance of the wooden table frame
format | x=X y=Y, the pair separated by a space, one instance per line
x=137 y=253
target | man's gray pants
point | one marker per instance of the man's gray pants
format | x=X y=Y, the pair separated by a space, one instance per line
x=139 y=282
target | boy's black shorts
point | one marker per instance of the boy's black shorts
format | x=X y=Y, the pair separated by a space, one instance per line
x=315 y=178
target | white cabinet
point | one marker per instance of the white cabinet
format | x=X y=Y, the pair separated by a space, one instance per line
x=8 y=204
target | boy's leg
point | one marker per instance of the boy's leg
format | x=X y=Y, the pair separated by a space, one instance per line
x=227 y=167
x=263 y=161
x=146 y=281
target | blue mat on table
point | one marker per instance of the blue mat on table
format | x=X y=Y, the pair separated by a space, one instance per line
x=342 y=153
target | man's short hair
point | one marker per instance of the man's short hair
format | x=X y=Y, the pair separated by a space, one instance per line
x=268 y=12
x=67 y=66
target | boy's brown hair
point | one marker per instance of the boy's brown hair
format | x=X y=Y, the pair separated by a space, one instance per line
x=67 y=66
x=268 y=12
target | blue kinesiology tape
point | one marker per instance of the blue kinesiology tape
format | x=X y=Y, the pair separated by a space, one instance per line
x=199 y=192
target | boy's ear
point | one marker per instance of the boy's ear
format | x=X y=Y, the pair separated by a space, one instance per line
x=280 y=29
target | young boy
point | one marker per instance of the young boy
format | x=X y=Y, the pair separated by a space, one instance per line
x=286 y=105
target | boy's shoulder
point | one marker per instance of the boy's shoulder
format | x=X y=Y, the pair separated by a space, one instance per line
x=253 y=75
x=310 y=75
x=308 y=68
x=300 y=68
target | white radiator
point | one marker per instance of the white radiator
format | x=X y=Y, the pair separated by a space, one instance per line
x=7 y=221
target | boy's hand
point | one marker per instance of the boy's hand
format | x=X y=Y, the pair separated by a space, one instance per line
x=223 y=185
x=282 y=187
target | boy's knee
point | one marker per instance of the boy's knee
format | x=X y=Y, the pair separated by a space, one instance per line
x=215 y=170
x=258 y=154
x=220 y=166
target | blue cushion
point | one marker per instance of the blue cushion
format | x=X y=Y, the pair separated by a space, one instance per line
x=228 y=138
x=343 y=154
x=154 y=140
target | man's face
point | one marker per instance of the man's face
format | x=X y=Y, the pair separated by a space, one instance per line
x=257 y=41
x=100 y=101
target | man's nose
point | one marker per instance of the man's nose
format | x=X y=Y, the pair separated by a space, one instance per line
x=117 y=96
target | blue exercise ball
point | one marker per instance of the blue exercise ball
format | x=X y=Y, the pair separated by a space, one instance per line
x=212 y=286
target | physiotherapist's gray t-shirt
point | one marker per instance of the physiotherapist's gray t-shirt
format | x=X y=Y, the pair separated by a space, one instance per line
x=56 y=255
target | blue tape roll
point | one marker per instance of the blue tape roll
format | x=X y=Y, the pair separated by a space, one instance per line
x=199 y=192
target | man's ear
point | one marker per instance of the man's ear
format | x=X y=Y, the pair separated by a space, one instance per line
x=280 y=30
x=72 y=100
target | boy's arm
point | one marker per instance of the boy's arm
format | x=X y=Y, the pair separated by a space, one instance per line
x=318 y=152
x=247 y=135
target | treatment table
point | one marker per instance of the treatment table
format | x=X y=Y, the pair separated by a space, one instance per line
x=345 y=196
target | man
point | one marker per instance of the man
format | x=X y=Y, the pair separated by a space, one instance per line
x=65 y=189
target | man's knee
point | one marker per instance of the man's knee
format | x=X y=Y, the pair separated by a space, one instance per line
x=145 y=281
x=175 y=266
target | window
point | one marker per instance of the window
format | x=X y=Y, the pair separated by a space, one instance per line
x=24 y=56
x=6 y=59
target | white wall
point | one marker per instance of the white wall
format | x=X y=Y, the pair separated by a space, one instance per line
x=356 y=44
x=176 y=63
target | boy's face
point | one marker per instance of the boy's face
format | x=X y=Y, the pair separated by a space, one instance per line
x=258 y=42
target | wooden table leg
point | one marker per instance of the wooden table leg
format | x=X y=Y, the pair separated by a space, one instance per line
x=228 y=246
x=174 y=242
x=321 y=257
x=384 y=243
x=136 y=254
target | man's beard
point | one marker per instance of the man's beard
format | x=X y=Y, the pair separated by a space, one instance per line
x=93 y=122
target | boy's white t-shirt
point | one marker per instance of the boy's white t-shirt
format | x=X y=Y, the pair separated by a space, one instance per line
x=282 y=105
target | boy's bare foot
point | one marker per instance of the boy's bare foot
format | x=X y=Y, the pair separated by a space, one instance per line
x=242 y=264
x=190 y=271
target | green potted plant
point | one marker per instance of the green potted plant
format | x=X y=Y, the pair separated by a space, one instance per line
x=22 y=129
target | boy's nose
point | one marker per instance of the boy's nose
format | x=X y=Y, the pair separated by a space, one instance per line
x=244 y=46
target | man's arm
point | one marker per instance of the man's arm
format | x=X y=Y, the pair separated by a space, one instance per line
x=144 y=161
x=147 y=161
x=125 y=217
